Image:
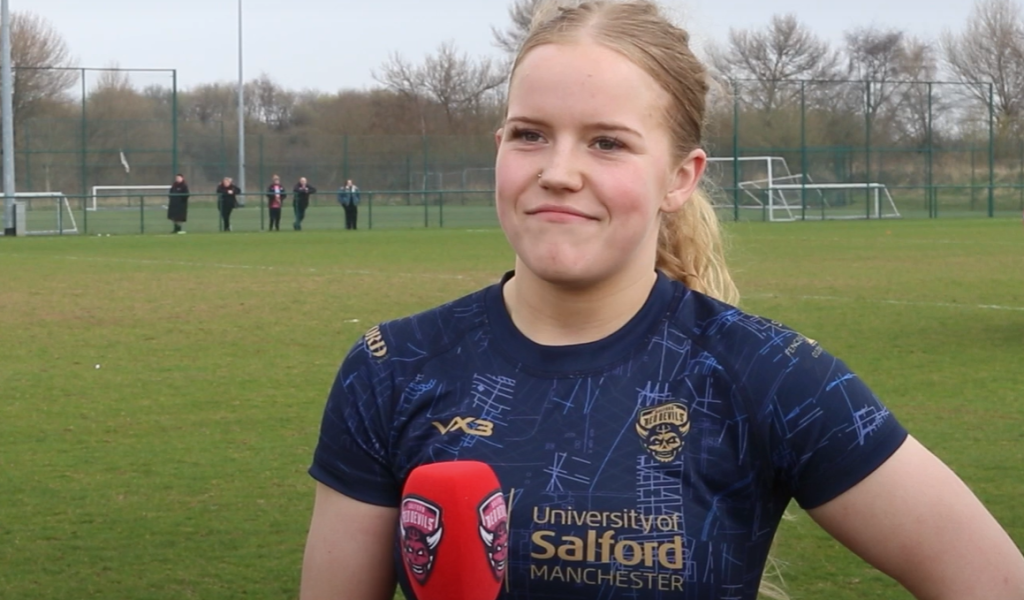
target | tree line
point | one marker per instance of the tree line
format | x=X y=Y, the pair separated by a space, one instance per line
x=784 y=85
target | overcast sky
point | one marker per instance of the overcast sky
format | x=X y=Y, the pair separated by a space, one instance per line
x=329 y=45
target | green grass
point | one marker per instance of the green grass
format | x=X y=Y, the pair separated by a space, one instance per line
x=177 y=469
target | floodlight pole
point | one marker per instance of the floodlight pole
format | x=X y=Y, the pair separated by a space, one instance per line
x=7 y=108
x=241 y=106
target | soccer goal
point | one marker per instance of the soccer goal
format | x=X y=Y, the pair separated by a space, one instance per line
x=121 y=196
x=747 y=182
x=766 y=184
x=47 y=213
x=830 y=201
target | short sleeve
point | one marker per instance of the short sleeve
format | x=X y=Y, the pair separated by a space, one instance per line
x=827 y=429
x=351 y=455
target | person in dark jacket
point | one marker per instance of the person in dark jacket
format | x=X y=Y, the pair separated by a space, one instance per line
x=227 y=200
x=275 y=200
x=348 y=197
x=177 y=203
x=300 y=201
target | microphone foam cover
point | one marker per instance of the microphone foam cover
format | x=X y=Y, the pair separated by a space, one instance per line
x=453 y=529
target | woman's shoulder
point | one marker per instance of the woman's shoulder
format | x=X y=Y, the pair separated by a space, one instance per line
x=423 y=335
x=737 y=339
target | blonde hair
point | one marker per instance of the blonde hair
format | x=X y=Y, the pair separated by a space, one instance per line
x=690 y=245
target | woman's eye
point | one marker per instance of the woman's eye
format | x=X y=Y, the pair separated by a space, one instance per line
x=527 y=135
x=608 y=144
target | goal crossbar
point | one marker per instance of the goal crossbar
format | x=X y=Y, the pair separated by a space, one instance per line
x=98 y=189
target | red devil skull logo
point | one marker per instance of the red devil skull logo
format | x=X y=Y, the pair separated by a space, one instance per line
x=420 y=530
x=494 y=532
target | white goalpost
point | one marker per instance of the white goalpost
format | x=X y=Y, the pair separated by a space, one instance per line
x=880 y=204
x=47 y=213
x=766 y=184
x=99 y=192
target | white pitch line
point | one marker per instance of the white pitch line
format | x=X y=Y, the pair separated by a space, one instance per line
x=896 y=302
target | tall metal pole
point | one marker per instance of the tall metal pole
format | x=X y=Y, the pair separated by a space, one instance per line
x=7 y=107
x=241 y=107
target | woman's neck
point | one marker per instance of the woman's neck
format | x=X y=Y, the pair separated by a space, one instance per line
x=554 y=315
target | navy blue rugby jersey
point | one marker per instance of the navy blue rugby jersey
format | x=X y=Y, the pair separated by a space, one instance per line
x=655 y=463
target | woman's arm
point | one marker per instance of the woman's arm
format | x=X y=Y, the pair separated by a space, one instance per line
x=916 y=521
x=348 y=550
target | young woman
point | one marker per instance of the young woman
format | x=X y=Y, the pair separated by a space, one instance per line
x=227 y=199
x=276 y=196
x=648 y=434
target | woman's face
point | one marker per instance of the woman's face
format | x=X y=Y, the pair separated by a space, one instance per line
x=585 y=165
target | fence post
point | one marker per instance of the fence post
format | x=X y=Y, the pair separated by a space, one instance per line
x=803 y=153
x=735 y=150
x=174 y=121
x=260 y=186
x=991 y=154
x=142 y=214
x=369 y=209
x=84 y=143
x=425 y=163
x=440 y=210
x=867 y=148
x=929 y=192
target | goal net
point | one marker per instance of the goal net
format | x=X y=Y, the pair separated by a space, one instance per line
x=126 y=196
x=47 y=213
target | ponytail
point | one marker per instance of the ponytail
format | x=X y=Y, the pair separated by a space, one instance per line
x=691 y=250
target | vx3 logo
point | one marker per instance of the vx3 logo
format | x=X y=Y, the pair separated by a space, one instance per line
x=468 y=425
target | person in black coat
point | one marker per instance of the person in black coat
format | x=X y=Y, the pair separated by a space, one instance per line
x=227 y=200
x=300 y=200
x=177 y=203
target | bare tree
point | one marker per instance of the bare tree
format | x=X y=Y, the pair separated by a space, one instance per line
x=269 y=103
x=775 y=57
x=42 y=65
x=990 y=49
x=874 y=56
x=917 y=101
x=520 y=12
x=448 y=80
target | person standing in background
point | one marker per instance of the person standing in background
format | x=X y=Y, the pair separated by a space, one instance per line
x=348 y=197
x=275 y=199
x=177 y=205
x=227 y=199
x=300 y=201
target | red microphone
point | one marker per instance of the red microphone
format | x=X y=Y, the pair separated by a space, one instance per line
x=453 y=526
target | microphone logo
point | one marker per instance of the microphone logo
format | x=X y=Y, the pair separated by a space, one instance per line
x=494 y=532
x=421 y=529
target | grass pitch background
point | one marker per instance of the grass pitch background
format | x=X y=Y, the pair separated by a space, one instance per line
x=177 y=469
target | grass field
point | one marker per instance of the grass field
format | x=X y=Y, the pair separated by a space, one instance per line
x=177 y=468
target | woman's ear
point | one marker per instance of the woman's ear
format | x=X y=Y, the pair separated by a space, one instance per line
x=684 y=180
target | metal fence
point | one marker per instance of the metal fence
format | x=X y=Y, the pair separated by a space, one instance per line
x=146 y=213
x=781 y=150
